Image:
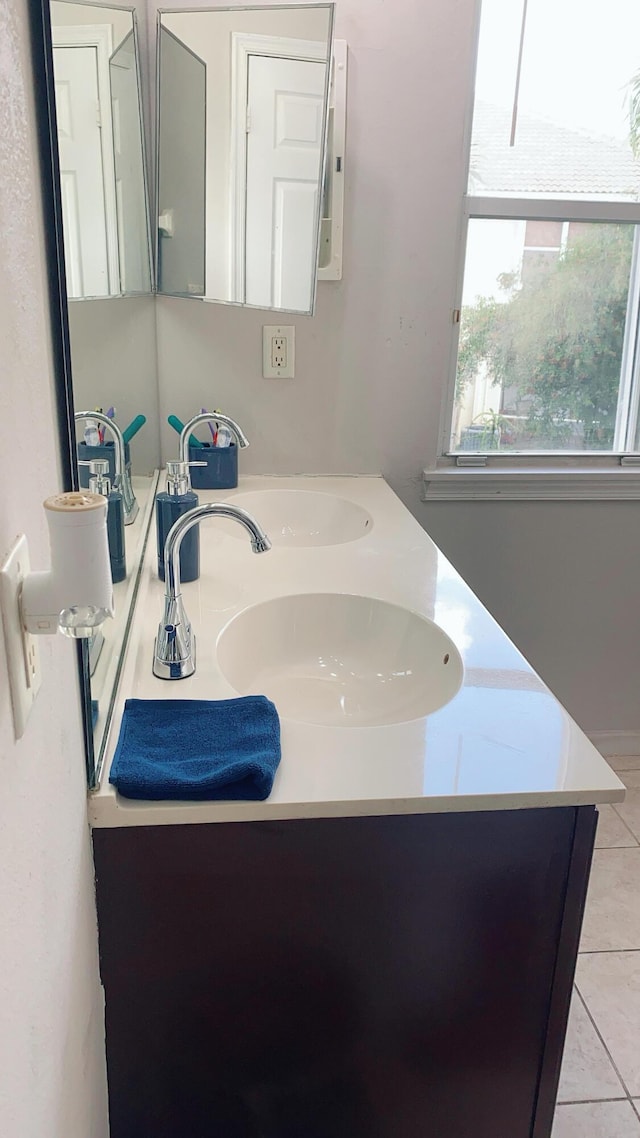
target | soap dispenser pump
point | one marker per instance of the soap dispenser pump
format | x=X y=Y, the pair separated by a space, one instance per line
x=171 y=504
x=99 y=483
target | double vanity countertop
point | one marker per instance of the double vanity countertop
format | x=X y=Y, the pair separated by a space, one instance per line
x=502 y=742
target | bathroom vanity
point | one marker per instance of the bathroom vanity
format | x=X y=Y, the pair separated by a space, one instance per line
x=386 y=946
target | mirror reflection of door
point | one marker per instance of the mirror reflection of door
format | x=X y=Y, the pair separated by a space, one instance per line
x=263 y=117
x=284 y=154
x=81 y=66
x=105 y=216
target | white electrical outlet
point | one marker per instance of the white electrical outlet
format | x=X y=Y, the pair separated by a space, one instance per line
x=278 y=351
x=23 y=657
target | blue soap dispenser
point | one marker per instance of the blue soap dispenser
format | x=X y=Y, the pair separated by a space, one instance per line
x=99 y=483
x=171 y=504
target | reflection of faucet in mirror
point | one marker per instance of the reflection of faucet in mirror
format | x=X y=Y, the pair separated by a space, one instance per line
x=210 y=417
x=122 y=481
x=175 y=647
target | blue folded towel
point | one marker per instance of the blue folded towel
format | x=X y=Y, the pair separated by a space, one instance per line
x=197 y=749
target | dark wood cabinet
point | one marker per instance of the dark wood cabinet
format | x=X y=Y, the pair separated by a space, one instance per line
x=381 y=977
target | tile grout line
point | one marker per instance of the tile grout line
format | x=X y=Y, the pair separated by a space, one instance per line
x=633 y=845
x=591 y=1101
x=626 y=826
x=606 y=951
x=635 y=1107
x=627 y=758
x=608 y=1053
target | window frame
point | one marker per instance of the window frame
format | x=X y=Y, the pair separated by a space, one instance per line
x=606 y=474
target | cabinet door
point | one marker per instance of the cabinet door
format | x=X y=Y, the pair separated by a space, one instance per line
x=399 y=977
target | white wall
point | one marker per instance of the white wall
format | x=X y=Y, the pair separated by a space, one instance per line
x=563 y=579
x=52 y=1077
x=371 y=365
x=113 y=361
x=77 y=15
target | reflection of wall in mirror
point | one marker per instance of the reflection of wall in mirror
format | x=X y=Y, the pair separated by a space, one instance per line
x=104 y=205
x=113 y=347
x=181 y=172
x=113 y=356
x=64 y=15
x=131 y=205
x=209 y=35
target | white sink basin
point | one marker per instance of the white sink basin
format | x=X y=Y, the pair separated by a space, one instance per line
x=340 y=660
x=302 y=517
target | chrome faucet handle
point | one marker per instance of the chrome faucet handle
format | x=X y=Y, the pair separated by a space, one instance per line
x=175 y=652
x=174 y=655
x=122 y=481
x=210 y=417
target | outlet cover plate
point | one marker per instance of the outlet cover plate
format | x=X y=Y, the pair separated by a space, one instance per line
x=278 y=351
x=23 y=656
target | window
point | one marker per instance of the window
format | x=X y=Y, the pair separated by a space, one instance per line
x=548 y=354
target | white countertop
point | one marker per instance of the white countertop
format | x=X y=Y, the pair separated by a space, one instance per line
x=503 y=742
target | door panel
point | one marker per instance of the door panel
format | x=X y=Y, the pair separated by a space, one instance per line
x=81 y=170
x=294 y=223
x=284 y=150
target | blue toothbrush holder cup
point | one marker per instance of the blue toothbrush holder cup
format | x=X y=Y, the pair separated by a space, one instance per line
x=105 y=450
x=221 y=467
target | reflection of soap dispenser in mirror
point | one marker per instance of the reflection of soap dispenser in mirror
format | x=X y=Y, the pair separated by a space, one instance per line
x=171 y=504
x=99 y=483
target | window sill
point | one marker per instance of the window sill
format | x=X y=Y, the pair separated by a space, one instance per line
x=531 y=484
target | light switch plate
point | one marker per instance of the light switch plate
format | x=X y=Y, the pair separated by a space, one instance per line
x=278 y=351
x=23 y=656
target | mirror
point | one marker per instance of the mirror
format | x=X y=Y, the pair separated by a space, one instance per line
x=101 y=150
x=97 y=214
x=242 y=123
x=102 y=194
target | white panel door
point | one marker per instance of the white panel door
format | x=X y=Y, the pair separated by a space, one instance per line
x=81 y=171
x=284 y=151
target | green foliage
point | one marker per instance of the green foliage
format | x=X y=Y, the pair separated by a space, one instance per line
x=557 y=338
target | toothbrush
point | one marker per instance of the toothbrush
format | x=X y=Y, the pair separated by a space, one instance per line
x=111 y=414
x=214 y=433
x=91 y=433
x=133 y=428
x=223 y=434
x=178 y=426
x=99 y=428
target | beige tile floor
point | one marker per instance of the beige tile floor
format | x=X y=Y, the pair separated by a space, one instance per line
x=599 y=1094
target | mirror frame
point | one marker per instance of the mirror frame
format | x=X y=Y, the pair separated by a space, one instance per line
x=49 y=169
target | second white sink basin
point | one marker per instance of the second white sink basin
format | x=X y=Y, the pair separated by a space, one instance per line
x=302 y=517
x=340 y=660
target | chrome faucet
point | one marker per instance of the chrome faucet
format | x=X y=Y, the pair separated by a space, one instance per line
x=122 y=481
x=210 y=417
x=174 y=656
